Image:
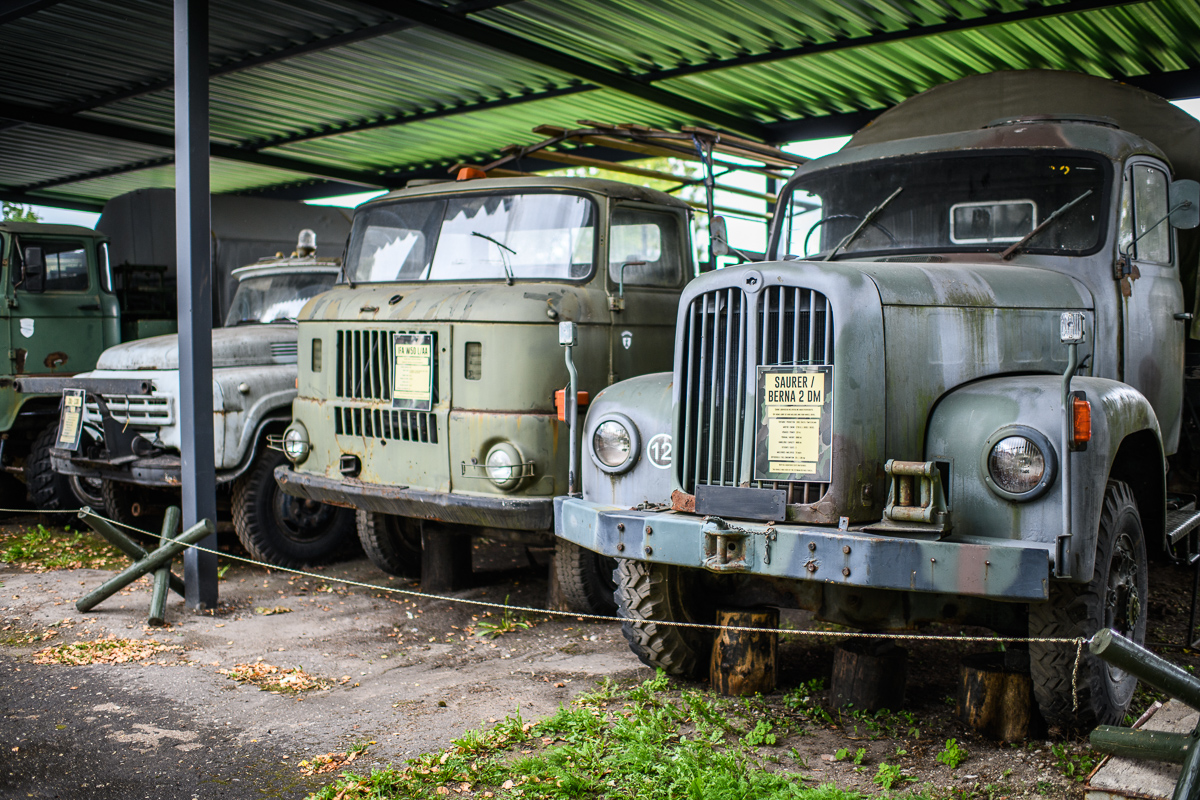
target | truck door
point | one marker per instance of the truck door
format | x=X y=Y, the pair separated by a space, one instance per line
x=60 y=329
x=1152 y=296
x=650 y=246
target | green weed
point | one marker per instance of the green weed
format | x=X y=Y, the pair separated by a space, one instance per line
x=889 y=775
x=1073 y=763
x=952 y=754
x=506 y=623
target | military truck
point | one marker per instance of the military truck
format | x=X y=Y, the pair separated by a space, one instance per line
x=950 y=395
x=130 y=402
x=59 y=313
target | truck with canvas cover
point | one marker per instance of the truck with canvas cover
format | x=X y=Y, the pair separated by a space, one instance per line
x=954 y=392
x=129 y=407
x=59 y=313
x=428 y=377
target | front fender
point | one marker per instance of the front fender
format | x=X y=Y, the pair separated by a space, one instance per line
x=644 y=401
x=964 y=420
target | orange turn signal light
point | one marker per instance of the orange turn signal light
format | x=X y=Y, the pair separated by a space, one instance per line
x=560 y=402
x=469 y=174
x=1081 y=421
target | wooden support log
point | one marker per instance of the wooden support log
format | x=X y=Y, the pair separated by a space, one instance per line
x=122 y=542
x=445 y=559
x=151 y=562
x=158 y=597
x=869 y=674
x=743 y=662
x=995 y=695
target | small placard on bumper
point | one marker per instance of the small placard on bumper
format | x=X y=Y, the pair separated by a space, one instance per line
x=736 y=502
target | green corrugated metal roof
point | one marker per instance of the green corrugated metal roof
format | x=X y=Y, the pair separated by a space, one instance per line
x=360 y=92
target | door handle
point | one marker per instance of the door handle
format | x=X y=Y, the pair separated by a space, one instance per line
x=90 y=307
x=1183 y=316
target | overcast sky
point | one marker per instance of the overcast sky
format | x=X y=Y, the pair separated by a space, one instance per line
x=812 y=149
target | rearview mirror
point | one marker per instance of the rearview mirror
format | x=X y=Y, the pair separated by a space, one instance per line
x=33 y=274
x=1185 y=204
x=719 y=237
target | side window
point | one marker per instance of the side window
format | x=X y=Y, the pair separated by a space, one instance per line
x=1150 y=205
x=647 y=236
x=66 y=264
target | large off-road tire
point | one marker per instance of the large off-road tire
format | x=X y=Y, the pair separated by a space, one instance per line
x=139 y=509
x=1116 y=597
x=391 y=543
x=48 y=490
x=282 y=530
x=647 y=592
x=585 y=579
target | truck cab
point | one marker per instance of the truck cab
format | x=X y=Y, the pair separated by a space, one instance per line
x=428 y=375
x=58 y=314
x=949 y=394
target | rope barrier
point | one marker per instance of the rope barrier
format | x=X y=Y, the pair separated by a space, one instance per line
x=1079 y=641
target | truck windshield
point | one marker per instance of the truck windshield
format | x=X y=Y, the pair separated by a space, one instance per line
x=948 y=203
x=476 y=237
x=275 y=298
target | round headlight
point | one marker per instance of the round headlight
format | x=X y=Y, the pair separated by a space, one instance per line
x=615 y=443
x=295 y=443
x=1020 y=464
x=503 y=465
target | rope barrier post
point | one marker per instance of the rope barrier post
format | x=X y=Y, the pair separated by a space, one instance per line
x=161 y=556
x=123 y=543
x=743 y=660
x=1168 y=678
x=158 y=597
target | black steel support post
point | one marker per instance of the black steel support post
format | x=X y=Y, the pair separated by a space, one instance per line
x=193 y=248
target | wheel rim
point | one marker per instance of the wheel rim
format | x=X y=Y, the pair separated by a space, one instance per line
x=1122 y=598
x=88 y=491
x=301 y=521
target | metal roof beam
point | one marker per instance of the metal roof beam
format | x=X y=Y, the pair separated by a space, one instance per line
x=1034 y=12
x=72 y=203
x=16 y=9
x=80 y=177
x=502 y=41
x=166 y=141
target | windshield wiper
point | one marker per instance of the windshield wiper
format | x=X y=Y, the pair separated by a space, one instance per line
x=1012 y=251
x=866 y=220
x=508 y=273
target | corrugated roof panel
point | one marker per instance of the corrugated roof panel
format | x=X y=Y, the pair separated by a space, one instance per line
x=225 y=176
x=30 y=154
x=480 y=134
x=410 y=72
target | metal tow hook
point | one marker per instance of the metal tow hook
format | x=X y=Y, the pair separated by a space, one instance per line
x=724 y=547
x=771 y=536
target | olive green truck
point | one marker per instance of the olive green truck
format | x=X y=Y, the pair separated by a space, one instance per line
x=428 y=377
x=955 y=391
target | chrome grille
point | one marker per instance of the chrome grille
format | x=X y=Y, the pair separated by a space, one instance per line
x=136 y=410
x=364 y=365
x=792 y=326
x=284 y=352
x=384 y=423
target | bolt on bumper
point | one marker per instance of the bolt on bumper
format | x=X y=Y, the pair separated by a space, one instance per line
x=1003 y=570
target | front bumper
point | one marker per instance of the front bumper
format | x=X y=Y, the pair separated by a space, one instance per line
x=518 y=513
x=1002 y=570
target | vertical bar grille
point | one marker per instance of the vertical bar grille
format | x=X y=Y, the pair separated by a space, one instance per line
x=385 y=423
x=793 y=326
x=364 y=372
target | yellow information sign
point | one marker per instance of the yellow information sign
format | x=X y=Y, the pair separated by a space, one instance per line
x=412 y=373
x=70 y=426
x=795 y=415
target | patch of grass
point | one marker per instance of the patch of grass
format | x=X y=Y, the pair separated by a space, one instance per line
x=882 y=724
x=102 y=651
x=1073 y=762
x=855 y=758
x=952 y=755
x=646 y=742
x=271 y=678
x=42 y=549
x=889 y=775
x=803 y=700
x=506 y=622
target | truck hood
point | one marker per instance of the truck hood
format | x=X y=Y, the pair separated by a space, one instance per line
x=524 y=301
x=243 y=346
x=974 y=285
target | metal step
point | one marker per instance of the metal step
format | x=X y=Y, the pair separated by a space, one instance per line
x=1181 y=522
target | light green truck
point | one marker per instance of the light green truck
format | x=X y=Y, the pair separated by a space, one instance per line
x=955 y=391
x=428 y=377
